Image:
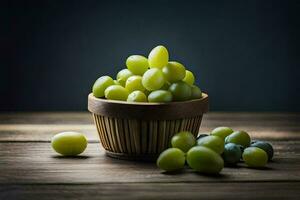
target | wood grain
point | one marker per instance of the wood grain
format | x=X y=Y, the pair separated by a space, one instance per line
x=30 y=169
x=167 y=191
x=38 y=163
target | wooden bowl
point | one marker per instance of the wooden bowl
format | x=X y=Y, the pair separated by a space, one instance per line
x=141 y=131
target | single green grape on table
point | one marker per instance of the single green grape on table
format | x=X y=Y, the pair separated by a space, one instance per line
x=183 y=140
x=213 y=142
x=189 y=77
x=158 y=57
x=137 y=64
x=137 y=96
x=171 y=159
x=255 y=157
x=174 y=71
x=123 y=75
x=180 y=91
x=222 y=132
x=69 y=143
x=204 y=160
x=160 y=96
x=153 y=79
x=239 y=137
x=134 y=83
x=116 y=92
x=101 y=84
x=267 y=147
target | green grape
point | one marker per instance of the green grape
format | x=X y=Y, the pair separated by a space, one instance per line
x=134 y=83
x=180 y=91
x=158 y=57
x=123 y=75
x=213 y=142
x=204 y=160
x=267 y=147
x=137 y=96
x=171 y=159
x=116 y=92
x=116 y=82
x=239 y=137
x=69 y=143
x=160 y=96
x=222 y=132
x=174 y=71
x=137 y=64
x=255 y=157
x=153 y=79
x=101 y=84
x=189 y=77
x=232 y=154
x=183 y=140
x=196 y=92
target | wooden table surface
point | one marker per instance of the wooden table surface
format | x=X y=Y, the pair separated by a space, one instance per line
x=30 y=169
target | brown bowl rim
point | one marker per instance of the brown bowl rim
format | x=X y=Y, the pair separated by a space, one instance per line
x=148 y=111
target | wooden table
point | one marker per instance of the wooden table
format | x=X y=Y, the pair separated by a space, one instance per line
x=30 y=169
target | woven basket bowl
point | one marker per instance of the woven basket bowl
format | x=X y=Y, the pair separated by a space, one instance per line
x=141 y=131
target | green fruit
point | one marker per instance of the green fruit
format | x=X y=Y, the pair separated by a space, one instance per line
x=158 y=57
x=267 y=147
x=153 y=79
x=183 y=140
x=171 y=159
x=239 y=137
x=255 y=157
x=134 y=83
x=160 y=96
x=180 y=91
x=123 y=75
x=137 y=96
x=213 y=142
x=196 y=92
x=222 y=132
x=189 y=77
x=69 y=143
x=174 y=71
x=116 y=82
x=116 y=92
x=137 y=64
x=101 y=84
x=232 y=154
x=204 y=160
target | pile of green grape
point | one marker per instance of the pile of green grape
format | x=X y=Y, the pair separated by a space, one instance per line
x=208 y=153
x=152 y=79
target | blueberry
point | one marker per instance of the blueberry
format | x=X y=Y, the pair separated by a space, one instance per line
x=232 y=154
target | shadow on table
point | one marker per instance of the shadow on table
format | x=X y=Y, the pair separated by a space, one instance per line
x=71 y=157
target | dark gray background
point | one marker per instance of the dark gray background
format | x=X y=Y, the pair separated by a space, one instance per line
x=244 y=53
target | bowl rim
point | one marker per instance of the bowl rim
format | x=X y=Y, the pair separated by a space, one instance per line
x=204 y=95
x=146 y=110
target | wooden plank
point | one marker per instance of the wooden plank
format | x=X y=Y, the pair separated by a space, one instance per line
x=42 y=126
x=37 y=163
x=214 y=118
x=172 y=191
x=43 y=133
x=46 y=118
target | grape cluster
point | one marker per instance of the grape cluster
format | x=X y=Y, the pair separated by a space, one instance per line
x=152 y=79
x=208 y=153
